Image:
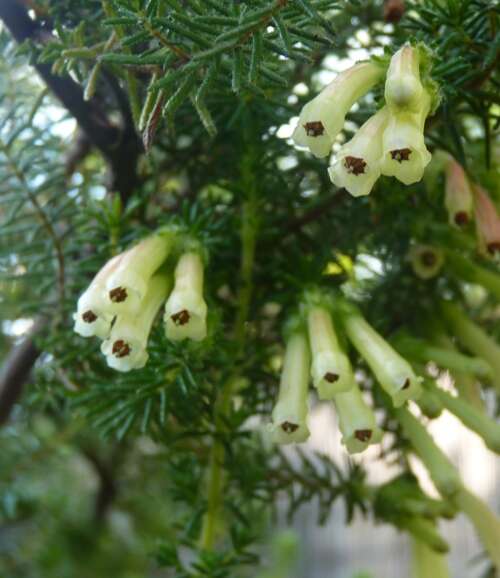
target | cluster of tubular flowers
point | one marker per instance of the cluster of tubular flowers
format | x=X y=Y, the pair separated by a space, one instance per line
x=315 y=349
x=124 y=298
x=465 y=200
x=389 y=143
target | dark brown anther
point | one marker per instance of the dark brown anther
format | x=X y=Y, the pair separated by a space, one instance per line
x=89 y=316
x=330 y=377
x=406 y=384
x=493 y=247
x=181 y=318
x=428 y=258
x=288 y=427
x=118 y=295
x=461 y=218
x=393 y=10
x=363 y=435
x=354 y=165
x=120 y=348
x=314 y=128
x=401 y=155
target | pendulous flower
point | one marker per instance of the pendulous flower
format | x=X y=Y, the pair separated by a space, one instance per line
x=290 y=412
x=487 y=221
x=186 y=310
x=426 y=261
x=93 y=316
x=322 y=118
x=459 y=201
x=126 y=347
x=392 y=371
x=427 y=562
x=357 y=165
x=405 y=155
x=331 y=369
x=356 y=420
x=127 y=285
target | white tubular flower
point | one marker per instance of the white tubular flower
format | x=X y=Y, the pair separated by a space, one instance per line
x=125 y=349
x=93 y=315
x=405 y=155
x=441 y=470
x=487 y=221
x=403 y=88
x=487 y=524
x=426 y=562
x=426 y=260
x=392 y=371
x=458 y=195
x=323 y=117
x=186 y=310
x=127 y=285
x=331 y=369
x=356 y=420
x=290 y=412
x=357 y=164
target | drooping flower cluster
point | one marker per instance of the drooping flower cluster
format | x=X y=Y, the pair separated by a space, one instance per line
x=121 y=303
x=391 y=142
x=318 y=352
x=465 y=200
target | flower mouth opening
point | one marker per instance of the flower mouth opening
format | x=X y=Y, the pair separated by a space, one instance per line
x=493 y=247
x=354 y=165
x=461 y=218
x=406 y=384
x=89 y=316
x=401 y=155
x=121 y=348
x=331 y=377
x=314 y=128
x=289 y=427
x=118 y=295
x=363 y=435
x=428 y=258
x=181 y=318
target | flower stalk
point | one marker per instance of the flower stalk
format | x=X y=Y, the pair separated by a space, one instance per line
x=472 y=273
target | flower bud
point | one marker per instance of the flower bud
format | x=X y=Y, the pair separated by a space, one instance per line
x=487 y=221
x=394 y=373
x=128 y=283
x=322 y=118
x=93 y=315
x=405 y=155
x=290 y=412
x=125 y=349
x=441 y=470
x=186 y=310
x=357 y=165
x=458 y=195
x=356 y=420
x=403 y=88
x=331 y=369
